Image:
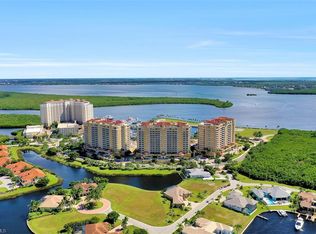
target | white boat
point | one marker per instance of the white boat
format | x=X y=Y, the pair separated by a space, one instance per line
x=282 y=213
x=299 y=224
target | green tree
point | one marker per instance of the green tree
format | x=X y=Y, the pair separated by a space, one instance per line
x=112 y=217
x=72 y=156
x=51 y=151
x=34 y=206
x=124 y=222
x=42 y=182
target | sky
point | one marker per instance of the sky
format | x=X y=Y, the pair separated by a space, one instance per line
x=157 y=38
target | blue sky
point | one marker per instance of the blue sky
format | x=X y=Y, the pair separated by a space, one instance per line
x=157 y=38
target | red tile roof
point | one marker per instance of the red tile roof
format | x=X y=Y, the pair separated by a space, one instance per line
x=4 y=160
x=106 y=121
x=4 y=153
x=17 y=167
x=218 y=120
x=97 y=228
x=31 y=175
x=3 y=147
x=86 y=187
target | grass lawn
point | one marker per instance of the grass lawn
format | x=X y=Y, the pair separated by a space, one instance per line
x=31 y=101
x=216 y=212
x=146 y=206
x=53 y=180
x=130 y=229
x=18 y=120
x=3 y=190
x=248 y=132
x=1 y=182
x=98 y=205
x=54 y=223
x=201 y=188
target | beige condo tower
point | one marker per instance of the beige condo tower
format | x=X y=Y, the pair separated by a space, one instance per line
x=107 y=134
x=161 y=137
x=216 y=134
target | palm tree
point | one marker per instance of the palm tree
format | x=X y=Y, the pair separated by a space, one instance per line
x=34 y=205
x=238 y=227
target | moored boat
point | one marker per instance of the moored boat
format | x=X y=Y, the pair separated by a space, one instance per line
x=299 y=224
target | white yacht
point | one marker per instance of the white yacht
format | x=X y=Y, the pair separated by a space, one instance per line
x=299 y=224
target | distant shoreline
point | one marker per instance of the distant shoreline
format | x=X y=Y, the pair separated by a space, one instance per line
x=31 y=101
x=277 y=85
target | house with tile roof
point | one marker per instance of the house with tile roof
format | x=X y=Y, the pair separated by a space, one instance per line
x=237 y=202
x=19 y=167
x=97 y=228
x=307 y=202
x=205 y=226
x=31 y=176
x=86 y=187
x=51 y=201
x=4 y=161
x=177 y=195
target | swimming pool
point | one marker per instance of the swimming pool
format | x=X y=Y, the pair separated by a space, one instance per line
x=268 y=201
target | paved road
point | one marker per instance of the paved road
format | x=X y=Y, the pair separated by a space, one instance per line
x=174 y=226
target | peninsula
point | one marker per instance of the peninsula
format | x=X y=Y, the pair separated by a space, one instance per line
x=31 y=101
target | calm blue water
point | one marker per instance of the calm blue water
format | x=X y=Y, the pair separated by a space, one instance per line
x=278 y=225
x=290 y=111
x=14 y=211
x=7 y=131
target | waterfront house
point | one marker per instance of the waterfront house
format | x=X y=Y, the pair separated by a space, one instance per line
x=51 y=201
x=4 y=161
x=86 y=187
x=307 y=202
x=205 y=226
x=97 y=228
x=198 y=173
x=19 y=167
x=257 y=194
x=4 y=153
x=31 y=176
x=237 y=202
x=177 y=195
x=277 y=194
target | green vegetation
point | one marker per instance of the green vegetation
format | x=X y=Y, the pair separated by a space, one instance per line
x=3 y=190
x=18 y=120
x=218 y=213
x=55 y=223
x=30 y=101
x=4 y=138
x=134 y=230
x=201 y=188
x=290 y=158
x=306 y=91
x=115 y=172
x=250 y=132
x=146 y=206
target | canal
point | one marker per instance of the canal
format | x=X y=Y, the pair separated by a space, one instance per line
x=14 y=211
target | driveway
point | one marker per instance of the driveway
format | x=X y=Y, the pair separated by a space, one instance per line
x=7 y=183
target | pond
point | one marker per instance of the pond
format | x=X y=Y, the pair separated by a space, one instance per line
x=14 y=211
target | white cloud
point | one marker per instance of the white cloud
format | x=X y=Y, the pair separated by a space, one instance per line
x=205 y=44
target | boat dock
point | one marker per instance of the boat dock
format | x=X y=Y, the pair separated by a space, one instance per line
x=265 y=218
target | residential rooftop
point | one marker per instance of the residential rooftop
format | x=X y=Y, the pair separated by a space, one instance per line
x=217 y=121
